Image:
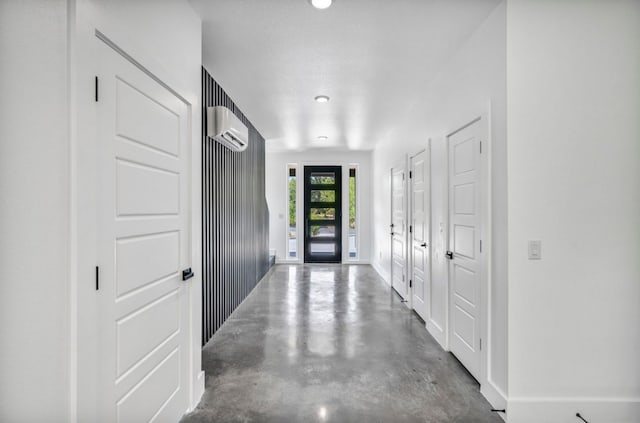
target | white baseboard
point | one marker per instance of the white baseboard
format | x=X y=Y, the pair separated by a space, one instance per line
x=382 y=273
x=438 y=334
x=198 y=390
x=496 y=397
x=563 y=410
x=299 y=261
x=280 y=260
x=356 y=262
x=287 y=261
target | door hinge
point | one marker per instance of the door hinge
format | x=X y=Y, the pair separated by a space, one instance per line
x=410 y=228
x=97 y=278
x=402 y=278
x=480 y=245
x=410 y=283
x=480 y=344
x=96 y=89
x=480 y=147
x=410 y=174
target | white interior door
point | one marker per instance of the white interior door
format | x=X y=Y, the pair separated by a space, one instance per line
x=399 y=279
x=465 y=243
x=420 y=232
x=143 y=244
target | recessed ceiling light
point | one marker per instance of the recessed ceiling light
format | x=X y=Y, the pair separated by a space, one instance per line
x=321 y=98
x=321 y=4
x=323 y=138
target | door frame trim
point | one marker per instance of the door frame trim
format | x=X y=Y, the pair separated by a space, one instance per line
x=485 y=230
x=134 y=62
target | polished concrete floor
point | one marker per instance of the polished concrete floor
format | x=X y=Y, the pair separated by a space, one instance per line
x=331 y=343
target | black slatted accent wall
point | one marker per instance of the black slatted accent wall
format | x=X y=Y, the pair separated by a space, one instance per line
x=235 y=218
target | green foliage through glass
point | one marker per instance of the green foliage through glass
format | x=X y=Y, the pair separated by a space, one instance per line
x=322 y=179
x=323 y=213
x=352 y=202
x=292 y=201
x=323 y=196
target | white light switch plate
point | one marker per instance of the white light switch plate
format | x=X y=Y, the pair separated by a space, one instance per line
x=535 y=250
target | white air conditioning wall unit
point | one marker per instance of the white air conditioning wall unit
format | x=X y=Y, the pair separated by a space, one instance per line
x=225 y=127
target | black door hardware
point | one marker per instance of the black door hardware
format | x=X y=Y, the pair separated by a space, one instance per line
x=424 y=244
x=187 y=274
x=449 y=255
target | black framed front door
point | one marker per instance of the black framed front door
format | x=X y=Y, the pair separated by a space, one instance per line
x=322 y=214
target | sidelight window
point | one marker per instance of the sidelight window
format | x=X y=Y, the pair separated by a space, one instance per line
x=353 y=235
x=292 y=210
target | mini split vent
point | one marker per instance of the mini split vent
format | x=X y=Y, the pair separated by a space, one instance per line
x=225 y=127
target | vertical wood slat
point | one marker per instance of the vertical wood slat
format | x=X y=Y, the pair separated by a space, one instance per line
x=235 y=217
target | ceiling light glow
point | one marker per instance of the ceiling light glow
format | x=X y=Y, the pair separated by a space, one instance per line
x=321 y=98
x=321 y=4
x=323 y=138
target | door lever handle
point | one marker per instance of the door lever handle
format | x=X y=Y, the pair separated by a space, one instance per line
x=449 y=255
x=187 y=274
x=424 y=244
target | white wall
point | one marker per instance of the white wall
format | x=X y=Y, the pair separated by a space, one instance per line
x=574 y=183
x=34 y=215
x=470 y=84
x=276 y=177
x=47 y=242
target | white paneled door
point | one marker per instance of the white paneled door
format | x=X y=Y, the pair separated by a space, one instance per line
x=143 y=245
x=465 y=244
x=399 y=280
x=420 y=233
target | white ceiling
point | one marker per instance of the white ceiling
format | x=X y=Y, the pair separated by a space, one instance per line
x=370 y=56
